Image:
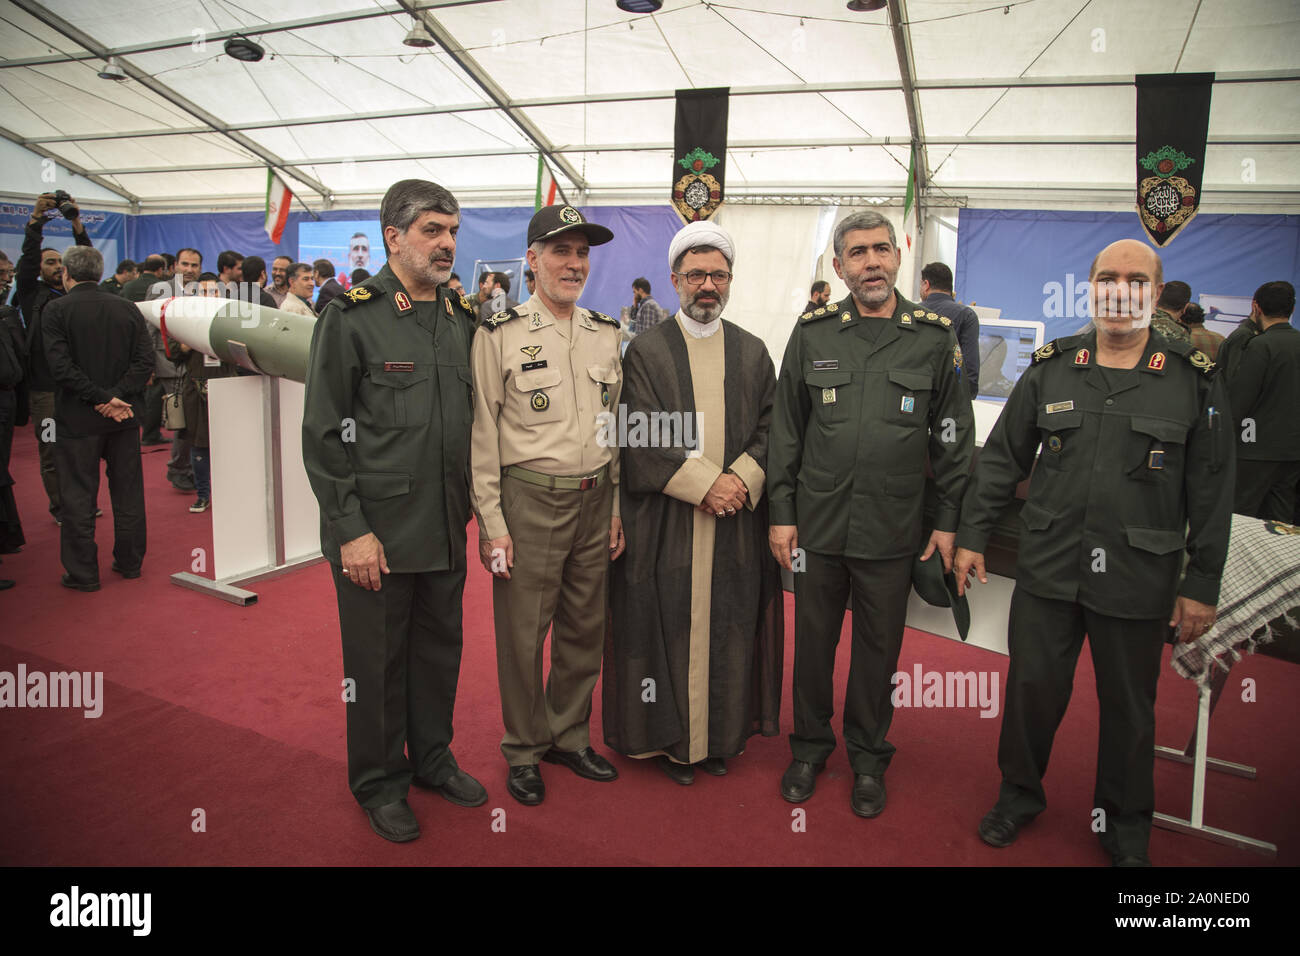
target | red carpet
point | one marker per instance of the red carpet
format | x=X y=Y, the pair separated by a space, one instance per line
x=237 y=712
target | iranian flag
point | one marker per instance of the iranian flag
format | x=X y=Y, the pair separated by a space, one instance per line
x=547 y=187
x=278 y=198
x=909 y=204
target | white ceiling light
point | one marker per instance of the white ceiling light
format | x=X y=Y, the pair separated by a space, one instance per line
x=419 y=37
x=112 y=70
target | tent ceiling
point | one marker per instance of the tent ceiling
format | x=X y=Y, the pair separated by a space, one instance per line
x=1038 y=97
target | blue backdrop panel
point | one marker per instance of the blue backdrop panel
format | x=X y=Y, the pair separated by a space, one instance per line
x=107 y=231
x=640 y=246
x=1006 y=258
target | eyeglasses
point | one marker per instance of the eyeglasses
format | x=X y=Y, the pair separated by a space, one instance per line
x=697 y=277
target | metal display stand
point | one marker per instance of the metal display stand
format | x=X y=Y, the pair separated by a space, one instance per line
x=251 y=545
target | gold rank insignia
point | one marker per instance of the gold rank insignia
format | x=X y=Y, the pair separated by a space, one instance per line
x=846 y=317
x=905 y=319
x=531 y=350
x=536 y=322
x=1045 y=352
x=932 y=316
x=919 y=313
x=540 y=402
x=833 y=307
x=1157 y=361
x=464 y=304
x=359 y=294
x=1200 y=360
x=819 y=311
x=945 y=321
x=1081 y=357
x=447 y=303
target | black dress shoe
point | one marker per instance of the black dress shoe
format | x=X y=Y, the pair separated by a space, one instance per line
x=394 y=821
x=6 y=584
x=800 y=780
x=714 y=765
x=1130 y=859
x=682 y=773
x=460 y=788
x=117 y=569
x=525 y=785
x=868 y=798
x=585 y=763
x=998 y=829
x=70 y=582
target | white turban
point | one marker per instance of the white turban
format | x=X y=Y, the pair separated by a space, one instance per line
x=701 y=233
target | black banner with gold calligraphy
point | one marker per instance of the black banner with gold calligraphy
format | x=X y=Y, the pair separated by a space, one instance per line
x=699 y=152
x=1173 y=120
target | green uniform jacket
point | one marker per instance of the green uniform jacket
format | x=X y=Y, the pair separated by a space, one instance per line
x=386 y=423
x=852 y=423
x=1120 y=477
x=1264 y=387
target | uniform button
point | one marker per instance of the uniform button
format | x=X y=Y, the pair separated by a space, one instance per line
x=1110 y=401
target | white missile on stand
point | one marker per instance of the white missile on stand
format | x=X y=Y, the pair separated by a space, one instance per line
x=251 y=336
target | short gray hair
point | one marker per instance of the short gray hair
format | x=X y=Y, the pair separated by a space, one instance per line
x=405 y=201
x=84 y=263
x=866 y=219
x=677 y=263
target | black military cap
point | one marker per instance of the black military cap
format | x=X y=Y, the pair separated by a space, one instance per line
x=939 y=588
x=549 y=221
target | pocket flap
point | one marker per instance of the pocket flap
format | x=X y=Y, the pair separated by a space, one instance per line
x=1161 y=429
x=1059 y=421
x=816 y=479
x=606 y=376
x=1036 y=517
x=539 y=378
x=463 y=373
x=828 y=379
x=912 y=381
x=1156 y=540
x=397 y=379
x=379 y=486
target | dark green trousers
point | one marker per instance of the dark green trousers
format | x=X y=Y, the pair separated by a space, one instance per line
x=879 y=591
x=1045 y=638
x=401 y=645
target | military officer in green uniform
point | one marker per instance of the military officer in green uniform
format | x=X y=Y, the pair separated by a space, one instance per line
x=385 y=440
x=1134 y=467
x=868 y=386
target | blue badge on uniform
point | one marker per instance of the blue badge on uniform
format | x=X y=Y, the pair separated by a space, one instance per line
x=909 y=403
x=1054 y=443
x=604 y=395
x=1156 y=459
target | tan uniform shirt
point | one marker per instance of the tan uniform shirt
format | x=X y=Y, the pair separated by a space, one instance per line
x=295 y=306
x=540 y=385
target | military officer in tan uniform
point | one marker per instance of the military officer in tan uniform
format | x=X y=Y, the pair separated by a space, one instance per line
x=544 y=490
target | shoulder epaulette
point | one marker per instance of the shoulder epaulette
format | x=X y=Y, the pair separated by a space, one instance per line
x=602 y=317
x=492 y=321
x=1056 y=347
x=358 y=294
x=933 y=318
x=1198 y=359
x=820 y=313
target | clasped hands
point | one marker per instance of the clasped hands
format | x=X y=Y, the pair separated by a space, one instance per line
x=726 y=496
x=115 y=409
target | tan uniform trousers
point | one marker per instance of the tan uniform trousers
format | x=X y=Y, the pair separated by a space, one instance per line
x=561 y=543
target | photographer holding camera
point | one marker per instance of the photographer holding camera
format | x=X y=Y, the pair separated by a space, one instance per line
x=38 y=280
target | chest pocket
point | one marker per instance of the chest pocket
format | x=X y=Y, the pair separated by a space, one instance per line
x=907 y=398
x=828 y=392
x=605 y=381
x=1155 y=448
x=1060 y=433
x=540 y=396
x=399 y=399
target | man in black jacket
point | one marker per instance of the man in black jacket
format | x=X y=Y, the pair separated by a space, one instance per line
x=100 y=355
x=38 y=281
x=330 y=287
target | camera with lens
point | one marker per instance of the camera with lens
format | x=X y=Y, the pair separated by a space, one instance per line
x=63 y=202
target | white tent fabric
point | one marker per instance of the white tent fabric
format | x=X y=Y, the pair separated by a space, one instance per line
x=1030 y=102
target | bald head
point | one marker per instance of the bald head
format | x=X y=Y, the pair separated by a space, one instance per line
x=1126 y=279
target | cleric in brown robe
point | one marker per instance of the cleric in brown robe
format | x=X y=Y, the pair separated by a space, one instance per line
x=693 y=659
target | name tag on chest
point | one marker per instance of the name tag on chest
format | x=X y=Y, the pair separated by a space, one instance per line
x=399 y=366
x=532 y=366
